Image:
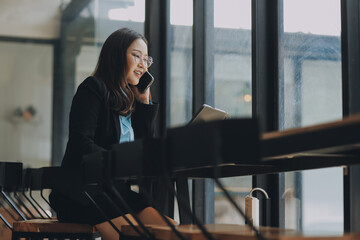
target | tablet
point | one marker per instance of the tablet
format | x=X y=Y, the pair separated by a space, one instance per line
x=208 y=113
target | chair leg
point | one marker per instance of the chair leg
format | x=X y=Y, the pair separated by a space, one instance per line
x=47 y=215
x=6 y=222
x=102 y=213
x=182 y=189
x=32 y=204
x=13 y=205
x=8 y=212
x=42 y=196
x=21 y=202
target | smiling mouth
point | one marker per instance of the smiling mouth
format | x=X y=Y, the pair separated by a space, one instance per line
x=138 y=73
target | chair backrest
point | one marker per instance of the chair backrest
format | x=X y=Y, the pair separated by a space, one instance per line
x=10 y=182
x=35 y=179
x=38 y=179
x=94 y=171
x=142 y=157
x=213 y=143
x=51 y=177
x=10 y=176
x=26 y=178
x=45 y=178
x=127 y=159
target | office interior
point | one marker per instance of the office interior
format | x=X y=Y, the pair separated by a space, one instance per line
x=288 y=63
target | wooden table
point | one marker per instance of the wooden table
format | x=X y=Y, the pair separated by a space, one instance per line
x=330 y=144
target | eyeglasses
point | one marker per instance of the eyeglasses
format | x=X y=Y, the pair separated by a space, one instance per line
x=146 y=61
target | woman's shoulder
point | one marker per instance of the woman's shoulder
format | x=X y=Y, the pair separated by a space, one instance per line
x=91 y=87
x=92 y=83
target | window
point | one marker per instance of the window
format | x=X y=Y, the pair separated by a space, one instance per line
x=26 y=102
x=312 y=94
x=99 y=19
x=232 y=21
x=181 y=20
x=232 y=88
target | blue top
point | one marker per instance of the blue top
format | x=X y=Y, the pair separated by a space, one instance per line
x=127 y=132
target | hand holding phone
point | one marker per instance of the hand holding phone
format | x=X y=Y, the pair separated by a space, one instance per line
x=145 y=82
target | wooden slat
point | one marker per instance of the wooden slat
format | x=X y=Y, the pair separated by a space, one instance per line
x=334 y=137
x=354 y=120
x=235 y=232
x=218 y=231
x=51 y=225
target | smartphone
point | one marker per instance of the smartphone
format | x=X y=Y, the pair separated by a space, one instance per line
x=145 y=81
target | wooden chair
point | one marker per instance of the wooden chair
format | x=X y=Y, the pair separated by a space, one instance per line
x=31 y=185
x=10 y=179
x=45 y=228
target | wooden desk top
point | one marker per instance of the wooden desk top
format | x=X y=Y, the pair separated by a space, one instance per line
x=236 y=232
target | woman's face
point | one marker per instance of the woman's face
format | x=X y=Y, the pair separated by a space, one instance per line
x=136 y=65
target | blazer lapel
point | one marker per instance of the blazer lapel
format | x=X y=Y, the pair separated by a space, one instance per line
x=117 y=125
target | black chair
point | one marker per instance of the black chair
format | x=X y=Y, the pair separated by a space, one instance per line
x=97 y=181
x=45 y=178
x=145 y=160
x=31 y=183
x=10 y=182
x=140 y=160
x=49 y=228
x=125 y=162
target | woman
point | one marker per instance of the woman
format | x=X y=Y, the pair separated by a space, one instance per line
x=107 y=109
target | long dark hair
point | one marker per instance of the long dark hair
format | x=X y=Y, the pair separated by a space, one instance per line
x=111 y=69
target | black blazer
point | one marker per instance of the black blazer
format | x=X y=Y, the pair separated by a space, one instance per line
x=94 y=126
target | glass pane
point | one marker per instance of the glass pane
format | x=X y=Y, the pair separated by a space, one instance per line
x=28 y=33
x=87 y=45
x=232 y=91
x=111 y=15
x=85 y=62
x=232 y=21
x=108 y=16
x=180 y=84
x=180 y=62
x=238 y=188
x=323 y=200
x=26 y=102
x=104 y=17
x=312 y=94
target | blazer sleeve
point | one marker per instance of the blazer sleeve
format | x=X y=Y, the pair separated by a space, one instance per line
x=84 y=114
x=144 y=119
